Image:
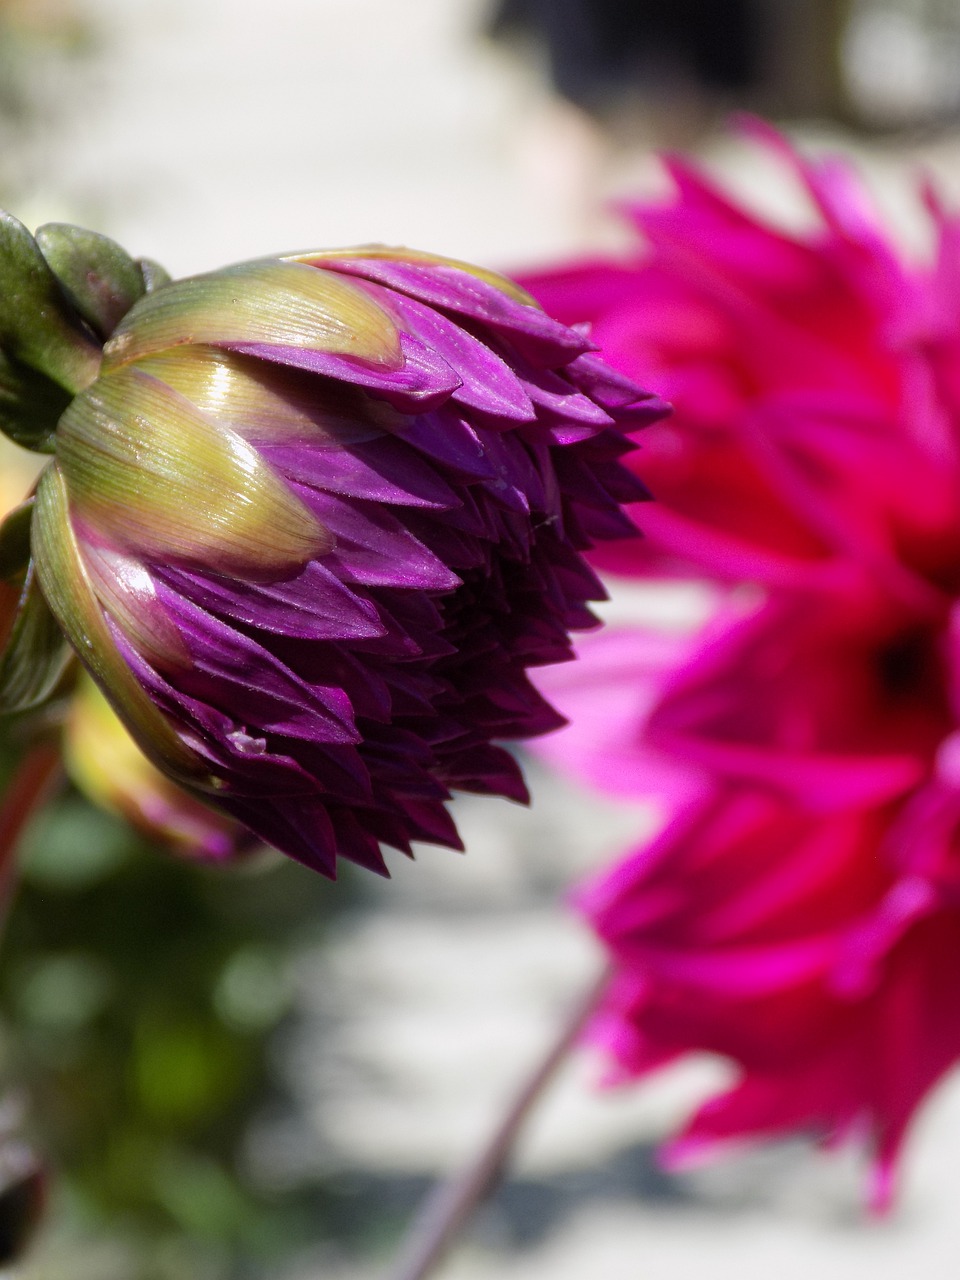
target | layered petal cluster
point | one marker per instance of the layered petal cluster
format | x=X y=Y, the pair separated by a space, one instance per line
x=311 y=519
x=799 y=913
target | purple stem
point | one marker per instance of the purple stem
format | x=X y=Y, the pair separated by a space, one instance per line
x=29 y=787
x=451 y=1204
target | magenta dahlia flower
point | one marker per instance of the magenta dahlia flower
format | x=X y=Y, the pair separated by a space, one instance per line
x=789 y=360
x=310 y=519
x=800 y=911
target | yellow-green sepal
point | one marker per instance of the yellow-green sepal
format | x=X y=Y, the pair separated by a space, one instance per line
x=269 y=403
x=283 y=304
x=154 y=476
x=68 y=591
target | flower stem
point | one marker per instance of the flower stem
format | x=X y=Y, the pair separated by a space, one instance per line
x=29 y=787
x=451 y=1204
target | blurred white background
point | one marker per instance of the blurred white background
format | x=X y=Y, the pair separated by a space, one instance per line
x=200 y=132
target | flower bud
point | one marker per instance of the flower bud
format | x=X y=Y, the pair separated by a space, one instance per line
x=109 y=768
x=315 y=517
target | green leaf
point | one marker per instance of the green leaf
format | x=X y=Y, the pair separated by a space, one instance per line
x=36 y=655
x=15 y=540
x=30 y=405
x=98 y=276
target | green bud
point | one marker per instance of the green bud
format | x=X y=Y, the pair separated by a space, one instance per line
x=30 y=405
x=101 y=280
x=154 y=276
x=37 y=326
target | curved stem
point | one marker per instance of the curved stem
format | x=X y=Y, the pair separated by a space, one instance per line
x=31 y=784
x=450 y=1206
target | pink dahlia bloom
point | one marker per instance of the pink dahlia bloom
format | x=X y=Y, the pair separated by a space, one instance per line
x=308 y=521
x=755 y=930
x=800 y=911
x=791 y=361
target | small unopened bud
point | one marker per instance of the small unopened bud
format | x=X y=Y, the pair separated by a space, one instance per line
x=107 y=765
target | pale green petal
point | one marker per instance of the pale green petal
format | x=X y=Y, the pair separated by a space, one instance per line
x=157 y=478
x=269 y=403
x=68 y=591
x=281 y=303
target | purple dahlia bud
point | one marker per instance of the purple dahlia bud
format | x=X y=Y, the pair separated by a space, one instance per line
x=314 y=518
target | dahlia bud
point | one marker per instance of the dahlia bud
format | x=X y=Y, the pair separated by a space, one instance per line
x=311 y=519
x=109 y=768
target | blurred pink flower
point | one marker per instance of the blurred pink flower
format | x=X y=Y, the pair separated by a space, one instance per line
x=757 y=931
x=812 y=381
x=800 y=911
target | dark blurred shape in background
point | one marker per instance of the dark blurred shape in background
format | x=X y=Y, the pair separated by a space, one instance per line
x=599 y=49
x=873 y=64
x=23 y=1188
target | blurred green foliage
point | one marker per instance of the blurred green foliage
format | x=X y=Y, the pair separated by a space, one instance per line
x=138 y=998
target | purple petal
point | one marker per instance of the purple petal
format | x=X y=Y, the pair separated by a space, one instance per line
x=446 y=437
x=423 y=382
x=610 y=388
x=229 y=669
x=315 y=605
x=381 y=470
x=300 y=827
x=542 y=339
x=487 y=383
x=373 y=548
